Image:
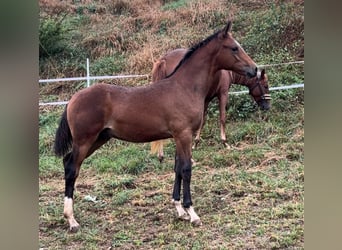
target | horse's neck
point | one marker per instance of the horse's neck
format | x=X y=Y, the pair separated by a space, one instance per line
x=198 y=71
x=240 y=79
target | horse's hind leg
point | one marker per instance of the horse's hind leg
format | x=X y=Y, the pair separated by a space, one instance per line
x=102 y=138
x=72 y=164
x=161 y=152
x=71 y=170
x=198 y=133
x=223 y=99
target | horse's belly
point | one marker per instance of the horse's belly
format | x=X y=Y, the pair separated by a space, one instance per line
x=138 y=132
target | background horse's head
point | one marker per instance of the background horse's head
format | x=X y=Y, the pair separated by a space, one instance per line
x=259 y=90
x=232 y=56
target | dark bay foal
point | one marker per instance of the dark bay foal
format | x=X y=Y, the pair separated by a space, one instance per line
x=170 y=108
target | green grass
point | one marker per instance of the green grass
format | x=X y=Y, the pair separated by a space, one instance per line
x=172 y=5
x=249 y=196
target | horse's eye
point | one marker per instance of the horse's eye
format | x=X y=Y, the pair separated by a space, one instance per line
x=235 y=49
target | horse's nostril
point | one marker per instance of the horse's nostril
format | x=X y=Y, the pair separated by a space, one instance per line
x=253 y=72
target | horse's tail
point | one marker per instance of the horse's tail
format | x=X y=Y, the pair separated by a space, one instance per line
x=63 y=138
x=158 y=73
x=159 y=70
x=156 y=146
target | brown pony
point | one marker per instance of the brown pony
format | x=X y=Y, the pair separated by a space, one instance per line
x=170 y=108
x=258 y=89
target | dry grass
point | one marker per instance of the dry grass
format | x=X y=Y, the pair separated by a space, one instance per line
x=143 y=30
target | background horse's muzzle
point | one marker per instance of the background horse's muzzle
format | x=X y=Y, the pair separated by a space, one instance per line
x=265 y=102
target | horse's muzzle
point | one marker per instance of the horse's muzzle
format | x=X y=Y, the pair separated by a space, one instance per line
x=264 y=104
x=251 y=71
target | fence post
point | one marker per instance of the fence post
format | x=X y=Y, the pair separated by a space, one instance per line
x=88 y=79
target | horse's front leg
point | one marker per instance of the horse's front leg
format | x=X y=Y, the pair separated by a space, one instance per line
x=176 y=192
x=187 y=202
x=184 y=166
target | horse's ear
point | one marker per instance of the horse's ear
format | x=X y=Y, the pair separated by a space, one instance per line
x=262 y=73
x=228 y=27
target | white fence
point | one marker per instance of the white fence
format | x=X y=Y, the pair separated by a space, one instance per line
x=88 y=78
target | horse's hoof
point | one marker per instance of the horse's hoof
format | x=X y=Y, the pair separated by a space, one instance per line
x=194 y=146
x=196 y=223
x=74 y=229
x=226 y=145
x=184 y=217
x=161 y=159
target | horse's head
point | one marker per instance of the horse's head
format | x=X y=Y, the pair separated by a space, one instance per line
x=258 y=89
x=232 y=56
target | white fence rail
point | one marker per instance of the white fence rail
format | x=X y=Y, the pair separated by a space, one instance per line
x=293 y=86
x=88 y=78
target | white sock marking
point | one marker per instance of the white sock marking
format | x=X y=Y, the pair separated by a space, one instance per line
x=181 y=212
x=194 y=217
x=69 y=214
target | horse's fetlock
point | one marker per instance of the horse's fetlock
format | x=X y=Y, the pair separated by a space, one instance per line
x=187 y=204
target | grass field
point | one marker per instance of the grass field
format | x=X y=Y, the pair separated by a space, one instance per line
x=249 y=197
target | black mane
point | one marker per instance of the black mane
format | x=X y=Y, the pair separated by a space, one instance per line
x=193 y=49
